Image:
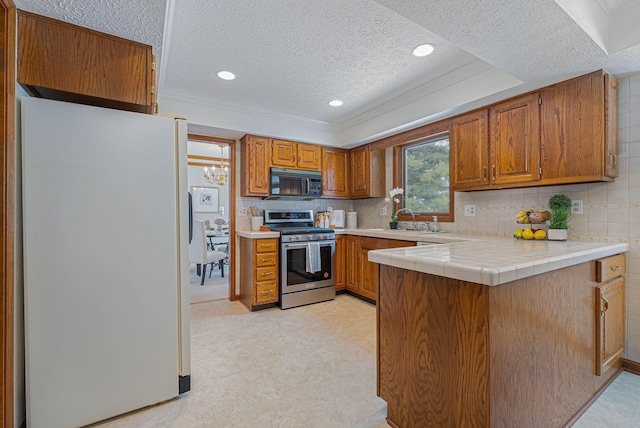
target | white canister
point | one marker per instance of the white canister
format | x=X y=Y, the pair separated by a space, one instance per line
x=352 y=220
x=256 y=222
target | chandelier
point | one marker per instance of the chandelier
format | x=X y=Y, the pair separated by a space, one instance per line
x=218 y=174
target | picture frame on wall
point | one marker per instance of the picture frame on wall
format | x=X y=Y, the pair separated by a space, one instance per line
x=205 y=199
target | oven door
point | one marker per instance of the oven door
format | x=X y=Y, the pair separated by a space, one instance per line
x=293 y=273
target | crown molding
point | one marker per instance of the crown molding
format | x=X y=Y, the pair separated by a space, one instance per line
x=191 y=99
x=462 y=73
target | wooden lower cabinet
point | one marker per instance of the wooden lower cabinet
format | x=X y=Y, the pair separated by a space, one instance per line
x=362 y=275
x=259 y=272
x=610 y=312
x=340 y=263
x=518 y=354
x=351 y=258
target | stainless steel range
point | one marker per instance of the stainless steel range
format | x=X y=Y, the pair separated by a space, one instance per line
x=306 y=258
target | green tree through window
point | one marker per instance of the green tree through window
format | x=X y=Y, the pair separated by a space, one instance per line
x=426 y=176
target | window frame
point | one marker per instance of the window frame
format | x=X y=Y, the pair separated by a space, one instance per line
x=398 y=171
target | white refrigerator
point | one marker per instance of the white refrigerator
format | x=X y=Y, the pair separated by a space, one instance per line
x=106 y=231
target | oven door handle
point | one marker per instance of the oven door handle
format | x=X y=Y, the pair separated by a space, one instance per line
x=304 y=244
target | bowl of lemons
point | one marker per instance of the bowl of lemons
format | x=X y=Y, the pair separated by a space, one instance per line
x=529 y=233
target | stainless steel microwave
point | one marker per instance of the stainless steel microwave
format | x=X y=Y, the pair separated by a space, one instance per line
x=295 y=183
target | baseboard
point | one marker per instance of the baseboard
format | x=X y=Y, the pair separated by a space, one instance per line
x=361 y=297
x=592 y=400
x=631 y=366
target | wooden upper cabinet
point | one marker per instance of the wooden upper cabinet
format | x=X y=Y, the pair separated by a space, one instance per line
x=288 y=154
x=560 y=134
x=254 y=179
x=367 y=173
x=335 y=168
x=579 y=130
x=514 y=141
x=283 y=154
x=66 y=62
x=309 y=156
x=470 y=150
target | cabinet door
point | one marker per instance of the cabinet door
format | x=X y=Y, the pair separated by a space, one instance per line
x=351 y=258
x=514 y=140
x=70 y=63
x=255 y=165
x=335 y=166
x=308 y=156
x=340 y=259
x=360 y=172
x=572 y=122
x=470 y=151
x=610 y=322
x=368 y=280
x=611 y=125
x=283 y=154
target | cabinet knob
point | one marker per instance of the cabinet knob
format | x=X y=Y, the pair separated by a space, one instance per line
x=616 y=267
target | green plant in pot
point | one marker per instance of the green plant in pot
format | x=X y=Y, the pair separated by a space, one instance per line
x=560 y=207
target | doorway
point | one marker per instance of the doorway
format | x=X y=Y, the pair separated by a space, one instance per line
x=210 y=181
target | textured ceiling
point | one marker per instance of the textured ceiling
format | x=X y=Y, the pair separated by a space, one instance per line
x=292 y=56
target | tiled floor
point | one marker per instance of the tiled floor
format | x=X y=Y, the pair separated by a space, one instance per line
x=304 y=367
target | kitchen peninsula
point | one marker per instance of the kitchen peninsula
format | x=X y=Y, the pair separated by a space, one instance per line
x=497 y=332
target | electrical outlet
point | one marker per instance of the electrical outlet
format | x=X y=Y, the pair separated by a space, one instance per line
x=576 y=207
x=243 y=211
x=383 y=210
x=469 y=210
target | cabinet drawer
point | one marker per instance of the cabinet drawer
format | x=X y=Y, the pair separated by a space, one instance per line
x=266 y=245
x=610 y=268
x=266 y=259
x=266 y=274
x=266 y=292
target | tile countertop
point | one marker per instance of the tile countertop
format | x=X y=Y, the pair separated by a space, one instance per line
x=251 y=234
x=492 y=260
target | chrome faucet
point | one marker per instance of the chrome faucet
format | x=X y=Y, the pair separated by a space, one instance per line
x=413 y=217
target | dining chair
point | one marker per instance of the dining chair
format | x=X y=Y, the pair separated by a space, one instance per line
x=200 y=255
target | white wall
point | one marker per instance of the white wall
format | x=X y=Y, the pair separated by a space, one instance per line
x=611 y=210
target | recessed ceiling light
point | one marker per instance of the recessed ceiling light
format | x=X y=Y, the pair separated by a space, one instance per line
x=423 y=50
x=226 y=75
x=335 y=103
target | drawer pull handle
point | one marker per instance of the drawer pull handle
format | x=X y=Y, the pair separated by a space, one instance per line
x=616 y=267
x=493 y=172
x=266 y=292
x=266 y=260
x=484 y=173
x=605 y=307
x=266 y=273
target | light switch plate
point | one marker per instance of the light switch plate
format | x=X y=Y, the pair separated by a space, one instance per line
x=469 y=210
x=576 y=207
